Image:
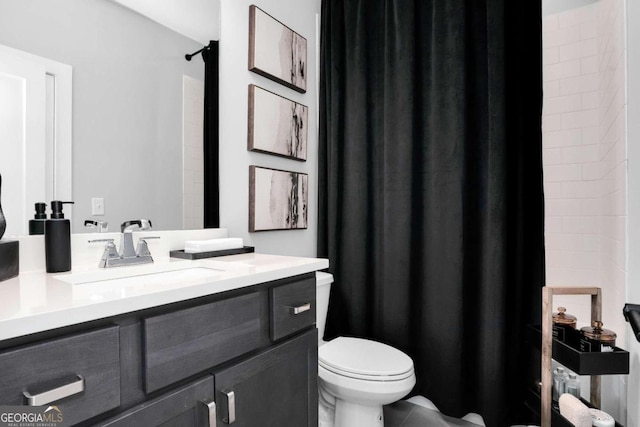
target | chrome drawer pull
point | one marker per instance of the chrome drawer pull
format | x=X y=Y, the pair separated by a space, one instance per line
x=301 y=308
x=209 y=410
x=231 y=406
x=55 y=394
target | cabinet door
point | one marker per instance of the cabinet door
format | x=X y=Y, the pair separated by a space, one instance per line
x=278 y=387
x=185 y=407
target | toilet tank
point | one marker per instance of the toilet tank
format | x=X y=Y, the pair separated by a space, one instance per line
x=323 y=288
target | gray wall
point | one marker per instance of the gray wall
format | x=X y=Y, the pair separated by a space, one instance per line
x=127 y=102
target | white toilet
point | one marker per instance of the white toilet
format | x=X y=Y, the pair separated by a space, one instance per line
x=356 y=376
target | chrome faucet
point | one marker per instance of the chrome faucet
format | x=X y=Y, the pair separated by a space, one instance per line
x=101 y=226
x=127 y=255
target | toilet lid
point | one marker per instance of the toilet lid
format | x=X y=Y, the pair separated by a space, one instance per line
x=366 y=359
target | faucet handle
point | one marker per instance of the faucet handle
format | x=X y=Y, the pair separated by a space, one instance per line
x=102 y=226
x=143 y=248
x=100 y=240
x=110 y=251
x=141 y=224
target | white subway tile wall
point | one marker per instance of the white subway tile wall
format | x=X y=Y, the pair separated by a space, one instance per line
x=585 y=161
x=192 y=152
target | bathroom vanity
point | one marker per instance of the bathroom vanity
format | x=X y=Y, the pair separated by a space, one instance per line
x=234 y=343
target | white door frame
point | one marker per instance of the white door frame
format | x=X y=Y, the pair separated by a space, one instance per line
x=60 y=162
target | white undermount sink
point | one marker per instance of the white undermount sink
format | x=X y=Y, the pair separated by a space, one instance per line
x=149 y=274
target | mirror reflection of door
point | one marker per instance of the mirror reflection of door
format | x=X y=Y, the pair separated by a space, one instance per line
x=35 y=135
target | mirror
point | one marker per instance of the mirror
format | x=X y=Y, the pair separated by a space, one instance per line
x=137 y=112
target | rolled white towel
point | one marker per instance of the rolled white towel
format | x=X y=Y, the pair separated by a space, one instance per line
x=601 y=418
x=574 y=410
x=195 y=246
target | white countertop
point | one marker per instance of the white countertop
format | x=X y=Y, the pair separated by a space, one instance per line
x=38 y=301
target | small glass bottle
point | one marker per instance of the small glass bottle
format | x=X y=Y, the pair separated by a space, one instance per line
x=559 y=382
x=573 y=385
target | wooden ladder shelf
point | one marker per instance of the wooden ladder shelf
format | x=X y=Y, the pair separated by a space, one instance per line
x=547 y=344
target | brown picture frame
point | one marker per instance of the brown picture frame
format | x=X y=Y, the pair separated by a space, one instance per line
x=276 y=51
x=278 y=199
x=277 y=125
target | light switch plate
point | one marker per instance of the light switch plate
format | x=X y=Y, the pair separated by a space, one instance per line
x=97 y=206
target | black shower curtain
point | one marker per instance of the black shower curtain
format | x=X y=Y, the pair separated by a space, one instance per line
x=430 y=189
x=211 y=142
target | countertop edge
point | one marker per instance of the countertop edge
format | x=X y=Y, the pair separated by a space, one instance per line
x=45 y=321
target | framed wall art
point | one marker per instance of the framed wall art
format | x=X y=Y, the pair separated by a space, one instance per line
x=277 y=199
x=277 y=125
x=276 y=51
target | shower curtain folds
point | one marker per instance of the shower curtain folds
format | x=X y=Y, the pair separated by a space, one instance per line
x=430 y=189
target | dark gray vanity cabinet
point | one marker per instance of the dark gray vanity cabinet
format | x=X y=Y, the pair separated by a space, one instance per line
x=186 y=407
x=184 y=342
x=277 y=387
x=247 y=357
x=79 y=373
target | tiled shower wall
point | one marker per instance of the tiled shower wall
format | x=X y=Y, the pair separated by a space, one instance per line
x=585 y=161
x=612 y=152
x=192 y=153
x=570 y=146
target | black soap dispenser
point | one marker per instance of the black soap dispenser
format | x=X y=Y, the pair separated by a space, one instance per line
x=36 y=225
x=57 y=240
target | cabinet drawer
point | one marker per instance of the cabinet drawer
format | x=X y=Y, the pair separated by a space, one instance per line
x=277 y=387
x=185 y=407
x=186 y=342
x=293 y=307
x=84 y=367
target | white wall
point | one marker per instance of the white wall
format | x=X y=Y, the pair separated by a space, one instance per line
x=570 y=147
x=193 y=154
x=585 y=167
x=197 y=19
x=633 y=194
x=234 y=157
x=613 y=185
x=556 y=6
x=584 y=154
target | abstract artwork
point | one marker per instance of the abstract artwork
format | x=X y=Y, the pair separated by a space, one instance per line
x=277 y=199
x=276 y=51
x=277 y=125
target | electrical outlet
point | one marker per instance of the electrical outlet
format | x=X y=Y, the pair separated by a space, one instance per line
x=97 y=206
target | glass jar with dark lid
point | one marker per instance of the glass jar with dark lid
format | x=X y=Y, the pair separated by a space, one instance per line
x=595 y=332
x=561 y=318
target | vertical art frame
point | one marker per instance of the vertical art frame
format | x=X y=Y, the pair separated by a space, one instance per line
x=277 y=125
x=276 y=51
x=278 y=199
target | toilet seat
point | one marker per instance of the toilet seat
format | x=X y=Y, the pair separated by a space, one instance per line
x=364 y=359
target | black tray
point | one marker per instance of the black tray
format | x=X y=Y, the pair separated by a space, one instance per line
x=557 y=420
x=211 y=254
x=584 y=363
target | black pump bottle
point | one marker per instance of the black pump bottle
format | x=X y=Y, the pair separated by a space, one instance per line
x=57 y=240
x=36 y=225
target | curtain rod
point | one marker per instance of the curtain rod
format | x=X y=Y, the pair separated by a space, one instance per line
x=189 y=56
